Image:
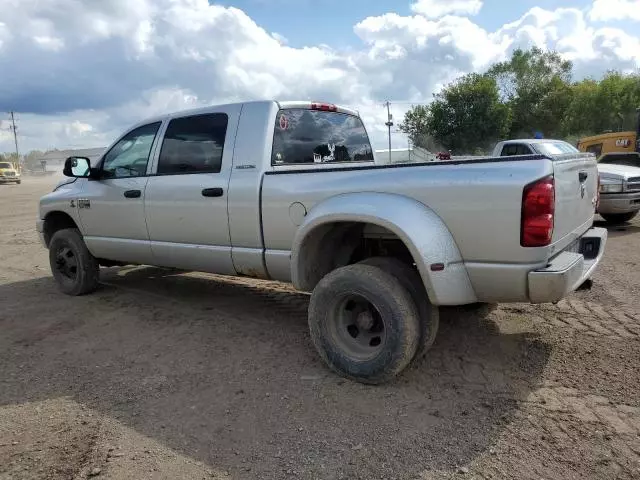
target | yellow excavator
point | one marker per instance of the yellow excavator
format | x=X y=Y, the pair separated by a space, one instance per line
x=613 y=142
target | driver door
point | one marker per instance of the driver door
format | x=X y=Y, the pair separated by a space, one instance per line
x=111 y=208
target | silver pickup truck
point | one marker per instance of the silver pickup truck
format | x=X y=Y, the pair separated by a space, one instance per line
x=289 y=191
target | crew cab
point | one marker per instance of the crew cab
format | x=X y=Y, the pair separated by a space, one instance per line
x=289 y=191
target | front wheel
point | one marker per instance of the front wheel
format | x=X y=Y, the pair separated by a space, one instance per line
x=618 y=218
x=364 y=323
x=74 y=268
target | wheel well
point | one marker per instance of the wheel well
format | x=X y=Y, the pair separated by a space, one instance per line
x=55 y=221
x=336 y=245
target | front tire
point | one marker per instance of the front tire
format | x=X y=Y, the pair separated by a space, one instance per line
x=364 y=323
x=75 y=270
x=410 y=279
x=618 y=218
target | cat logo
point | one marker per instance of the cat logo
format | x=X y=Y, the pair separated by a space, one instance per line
x=623 y=142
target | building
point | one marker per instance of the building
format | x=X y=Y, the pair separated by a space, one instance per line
x=53 y=161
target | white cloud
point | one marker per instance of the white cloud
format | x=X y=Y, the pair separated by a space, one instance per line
x=440 y=8
x=607 y=10
x=80 y=71
x=566 y=30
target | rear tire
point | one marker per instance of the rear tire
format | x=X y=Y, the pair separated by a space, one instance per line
x=364 y=323
x=75 y=270
x=618 y=218
x=410 y=279
x=18 y=182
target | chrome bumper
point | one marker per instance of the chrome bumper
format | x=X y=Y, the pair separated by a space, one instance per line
x=568 y=270
x=619 y=202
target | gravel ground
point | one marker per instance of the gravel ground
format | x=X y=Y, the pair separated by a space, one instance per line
x=162 y=374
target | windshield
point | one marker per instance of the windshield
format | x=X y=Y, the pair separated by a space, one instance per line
x=627 y=160
x=556 y=148
x=5 y=165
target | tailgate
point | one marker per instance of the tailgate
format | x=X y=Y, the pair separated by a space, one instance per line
x=576 y=183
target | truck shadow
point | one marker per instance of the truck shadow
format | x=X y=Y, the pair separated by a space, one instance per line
x=224 y=372
x=619 y=230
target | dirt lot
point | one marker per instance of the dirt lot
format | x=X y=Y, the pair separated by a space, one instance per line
x=167 y=375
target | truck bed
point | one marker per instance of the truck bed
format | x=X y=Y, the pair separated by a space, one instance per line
x=479 y=200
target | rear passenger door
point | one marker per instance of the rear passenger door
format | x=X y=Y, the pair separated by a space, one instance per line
x=186 y=199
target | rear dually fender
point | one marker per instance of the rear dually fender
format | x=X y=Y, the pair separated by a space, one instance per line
x=422 y=231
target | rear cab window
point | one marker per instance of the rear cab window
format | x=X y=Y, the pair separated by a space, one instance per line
x=307 y=137
x=513 y=149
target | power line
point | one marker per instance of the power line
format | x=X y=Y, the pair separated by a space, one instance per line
x=389 y=124
x=424 y=104
x=14 y=129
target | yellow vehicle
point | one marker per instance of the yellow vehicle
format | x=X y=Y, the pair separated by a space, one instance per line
x=618 y=142
x=8 y=173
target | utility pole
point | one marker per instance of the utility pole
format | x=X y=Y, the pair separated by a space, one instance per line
x=14 y=129
x=389 y=124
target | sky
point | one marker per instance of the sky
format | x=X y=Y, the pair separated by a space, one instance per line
x=79 y=72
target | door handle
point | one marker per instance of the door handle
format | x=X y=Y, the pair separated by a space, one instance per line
x=212 y=192
x=133 y=194
x=582 y=176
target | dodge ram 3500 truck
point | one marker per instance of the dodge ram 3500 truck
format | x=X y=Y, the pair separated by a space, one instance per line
x=289 y=191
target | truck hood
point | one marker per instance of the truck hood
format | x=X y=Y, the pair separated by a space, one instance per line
x=63 y=182
x=618 y=172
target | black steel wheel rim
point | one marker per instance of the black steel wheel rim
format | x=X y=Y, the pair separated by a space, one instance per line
x=358 y=327
x=67 y=262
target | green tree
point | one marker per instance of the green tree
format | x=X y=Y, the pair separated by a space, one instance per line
x=464 y=116
x=608 y=104
x=536 y=86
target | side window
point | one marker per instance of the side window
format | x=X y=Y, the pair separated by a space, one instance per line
x=312 y=136
x=129 y=157
x=524 y=150
x=509 y=150
x=597 y=149
x=193 y=144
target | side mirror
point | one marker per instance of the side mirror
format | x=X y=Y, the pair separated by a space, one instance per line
x=77 y=167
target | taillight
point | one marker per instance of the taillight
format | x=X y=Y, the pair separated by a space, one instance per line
x=598 y=194
x=538 y=210
x=324 y=107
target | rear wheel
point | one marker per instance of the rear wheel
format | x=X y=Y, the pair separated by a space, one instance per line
x=618 y=218
x=410 y=279
x=74 y=268
x=18 y=182
x=364 y=323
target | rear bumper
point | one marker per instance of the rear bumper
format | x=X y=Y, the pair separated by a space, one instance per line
x=568 y=270
x=619 y=203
